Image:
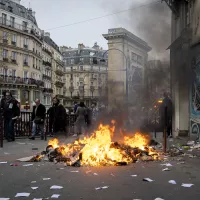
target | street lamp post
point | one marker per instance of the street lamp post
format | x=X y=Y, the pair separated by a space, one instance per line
x=126 y=69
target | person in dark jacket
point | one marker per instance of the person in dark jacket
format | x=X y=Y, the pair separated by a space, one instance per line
x=166 y=120
x=11 y=113
x=57 y=116
x=38 y=117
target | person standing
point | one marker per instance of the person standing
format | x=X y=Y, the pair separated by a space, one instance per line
x=81 y=113
x=75 y=106
x=38 y=117
x=166 y=120
x=57 y=116
x=11 y=113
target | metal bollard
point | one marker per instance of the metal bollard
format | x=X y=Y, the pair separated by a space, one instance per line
x=165 y=131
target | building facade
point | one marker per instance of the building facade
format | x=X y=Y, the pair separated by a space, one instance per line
x=127 y=57
x=185 y=73
x=21 y=52
x=86 y=74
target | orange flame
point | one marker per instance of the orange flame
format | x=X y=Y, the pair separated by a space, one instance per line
x=98 y=150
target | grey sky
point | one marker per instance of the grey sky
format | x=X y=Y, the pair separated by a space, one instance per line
x=55 y=13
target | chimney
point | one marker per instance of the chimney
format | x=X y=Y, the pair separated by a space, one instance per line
x=47 y=34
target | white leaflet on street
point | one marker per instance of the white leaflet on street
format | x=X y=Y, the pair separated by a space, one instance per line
x=4 y=162
x=45 y=179
x=166 y=169
x=37 y=199
x=34 y=188
x=159 y=199
x=55 y=196
x=112 y=174
x=56 y=187
x=28 y=165
x=134 y=175
x=23 y=194
x=172 y=182
x=101 y=188
x=167 y=165
x=95 y=174
x=6 y=153
x=74 y=171
x=187 y=185
x=33 y=181
x=147 y=179
x=62 y=168
x=88 y=171
x=20 y=143
x=26 y=159
x=4 y=198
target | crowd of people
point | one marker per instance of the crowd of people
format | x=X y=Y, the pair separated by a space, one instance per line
x=57 y=116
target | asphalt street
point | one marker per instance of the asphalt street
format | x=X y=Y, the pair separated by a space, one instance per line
x=81 y=184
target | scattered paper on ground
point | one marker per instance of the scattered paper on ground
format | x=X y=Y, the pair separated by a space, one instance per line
x=20 y=143
x=4 y=198
x=159 y=199
x=4 y=162
x=23 y=194
x=37 y=199
x=187 y=185
x=56 y=187
x=28 y=165
x=101 y=188
x=95 y=174
x=74 y=171
x=147 y=179
x=34 y=188
x=45 y=179
x=167 y=165
x=26 y=159
x=55 y=196
x=33 y=181
x=134 y=175
x=172 y=182
x=166 y=169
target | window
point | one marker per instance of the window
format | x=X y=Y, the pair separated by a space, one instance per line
x=92 y=83
x=5 y=35
x=14 y=38
x=25 y=59
x=81 y=68
x=4 y=18
x=24 y=25
x=82 y=60
x=5 y=53
x=12 y=21
x=91 y=60
x=36 y=95
x=91 y=68
x=81 y=83
x=72 y=61
x=77 y=83
x=25 y=42
x=25 y=74
x=13 y=73
x=14 y=55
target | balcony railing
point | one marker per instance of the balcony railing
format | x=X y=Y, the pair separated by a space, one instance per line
x=48 y=90
x=59 y=70
x=47 y=51
x=46 y=77
x=19 y=80
x=60 y=62
x=46 y=63
x=8 y=23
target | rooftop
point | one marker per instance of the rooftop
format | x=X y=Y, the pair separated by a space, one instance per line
x=123 y=32
x=17 y=9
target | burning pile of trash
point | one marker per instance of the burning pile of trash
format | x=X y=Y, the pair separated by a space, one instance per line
x=100 y=150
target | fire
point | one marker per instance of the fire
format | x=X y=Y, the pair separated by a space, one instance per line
x=100 y=150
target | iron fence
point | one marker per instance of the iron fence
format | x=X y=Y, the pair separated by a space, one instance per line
x=23 y=125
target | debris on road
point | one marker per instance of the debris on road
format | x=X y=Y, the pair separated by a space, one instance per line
x=4 y=198
x=159 y=199
x=14 y=164
x=74 y=171
x=134 y=175
x=187 y=185
x=33 y=181
x=166 y=169
x=172 y=182
x=167 y=164
x=28 y=165
x=34 y=188
x=46 y=179
x=55 y=196
x=5 y=162
x=101 y=188
x=26 y=159
x=56 y=187
x=37 y=199
x=147 y=179
x=23 y=194
x=95 y=174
